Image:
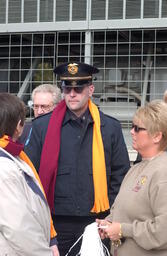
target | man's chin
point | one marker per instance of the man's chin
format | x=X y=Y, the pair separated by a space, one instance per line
x=73 y=106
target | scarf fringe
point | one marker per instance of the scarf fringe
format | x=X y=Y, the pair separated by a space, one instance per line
x=91 y=243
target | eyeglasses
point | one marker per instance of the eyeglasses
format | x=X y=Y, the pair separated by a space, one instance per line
x=77 y=89
x=137 y=128
x=44 y=107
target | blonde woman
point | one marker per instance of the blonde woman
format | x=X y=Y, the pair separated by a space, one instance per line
x=137 y=224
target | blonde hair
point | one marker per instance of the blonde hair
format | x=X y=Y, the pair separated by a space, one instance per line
x=48 y=88
x=154 y=117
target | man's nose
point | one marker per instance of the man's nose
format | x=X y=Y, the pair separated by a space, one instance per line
x=39 y=111
x=72 y=92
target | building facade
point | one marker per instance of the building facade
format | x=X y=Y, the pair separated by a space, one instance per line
x=125 y=39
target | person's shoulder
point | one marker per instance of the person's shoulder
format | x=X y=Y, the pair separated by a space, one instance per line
x=42 y=119
x=8 y=167
x=109 y=119
x=27 y=124
x=161 y=161
x=158 y=172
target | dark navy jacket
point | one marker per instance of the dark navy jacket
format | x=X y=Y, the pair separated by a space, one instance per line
x=74 y=190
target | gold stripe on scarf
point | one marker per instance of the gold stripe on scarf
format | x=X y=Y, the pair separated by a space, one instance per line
x=101 y=202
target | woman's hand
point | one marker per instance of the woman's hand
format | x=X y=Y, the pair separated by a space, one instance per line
x=114 y=231
x=102 y=225
x=55 y=250
x=109 y=230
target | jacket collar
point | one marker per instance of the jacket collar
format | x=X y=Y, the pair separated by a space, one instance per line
x=67 y=117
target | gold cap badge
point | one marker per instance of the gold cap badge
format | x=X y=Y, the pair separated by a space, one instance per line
x=73 y=68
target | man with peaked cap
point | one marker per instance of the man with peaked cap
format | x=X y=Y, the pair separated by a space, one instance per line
x=80 y=154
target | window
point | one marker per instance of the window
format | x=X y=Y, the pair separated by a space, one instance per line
x=14 y=11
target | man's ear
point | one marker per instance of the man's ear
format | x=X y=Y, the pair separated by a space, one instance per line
x=91 y=90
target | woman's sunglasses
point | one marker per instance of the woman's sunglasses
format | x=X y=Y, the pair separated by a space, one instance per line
x=137 y=128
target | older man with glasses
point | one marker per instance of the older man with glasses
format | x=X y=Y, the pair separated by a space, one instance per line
x=80 y=154
x=44 y=99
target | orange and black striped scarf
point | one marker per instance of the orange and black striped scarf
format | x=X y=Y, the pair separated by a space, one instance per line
x=16 y=149
x=49 y=164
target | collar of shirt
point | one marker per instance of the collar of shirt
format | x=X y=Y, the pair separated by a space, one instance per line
x=70 y=116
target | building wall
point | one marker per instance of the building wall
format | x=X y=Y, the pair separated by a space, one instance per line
x=52 y=15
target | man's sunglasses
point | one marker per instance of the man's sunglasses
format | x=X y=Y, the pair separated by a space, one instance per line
x=77 y=85
x=76 y=82
x=77 y=89
x=137 y=128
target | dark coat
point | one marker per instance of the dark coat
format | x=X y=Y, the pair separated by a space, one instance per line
x=26 y=132
x=74 y=194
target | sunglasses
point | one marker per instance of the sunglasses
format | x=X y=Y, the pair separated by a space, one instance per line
x=137 y=128
x=77 y=89
x=76 y=82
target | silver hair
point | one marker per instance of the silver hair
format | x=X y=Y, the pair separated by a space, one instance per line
x=49 y=88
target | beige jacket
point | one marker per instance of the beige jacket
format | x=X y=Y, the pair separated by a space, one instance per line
x=141 y=208
x=24 y=215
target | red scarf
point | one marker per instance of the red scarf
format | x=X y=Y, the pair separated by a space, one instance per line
x=49 y=160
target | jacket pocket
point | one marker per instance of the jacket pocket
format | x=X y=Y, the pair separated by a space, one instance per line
x=63 y=183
